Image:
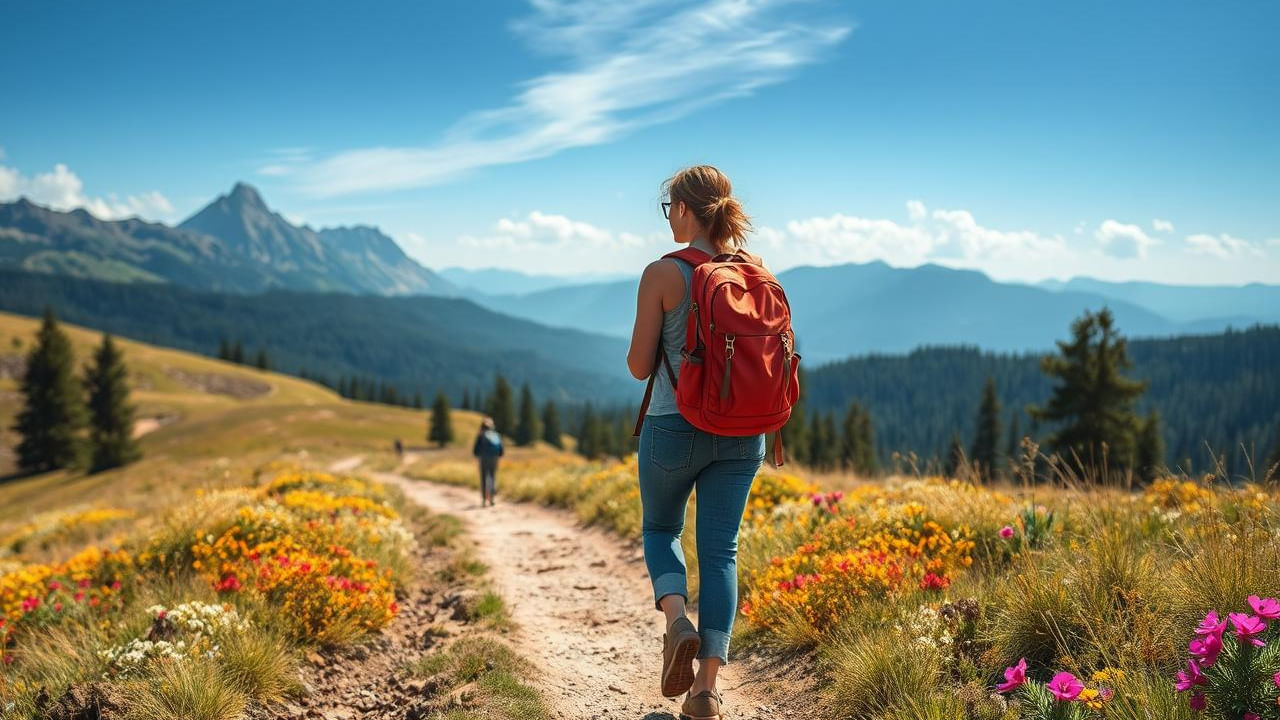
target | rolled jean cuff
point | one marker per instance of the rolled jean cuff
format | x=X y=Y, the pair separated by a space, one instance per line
x=715 y=644
x=669 y=584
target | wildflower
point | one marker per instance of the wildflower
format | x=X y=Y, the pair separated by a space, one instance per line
x=1014 y=677
x=1251 y=716
x=1248 y=627
x=1191 y=678
x=1065 y=687
x=816 y=499
x=1197 y=701
x=1206 y=649
x=1006 y=532
x=1211 y=625
x=1268 y=608
x=1277 y=679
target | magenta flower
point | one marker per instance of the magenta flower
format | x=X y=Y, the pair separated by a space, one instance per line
x=1014 y=677
x=1065 y=686
x=1211 y=625
x=1191 y=678
x=1268 y=608
x=1251 y=716
x=1006 y=532
x=1197 y=701
x=1277 y=679
x=1248 y=628
x=1206 y=649
x=816 y=498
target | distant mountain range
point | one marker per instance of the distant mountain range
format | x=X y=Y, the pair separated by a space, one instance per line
x=420 y=343
x=235 y=244
x=853 y=309
x=496 y=281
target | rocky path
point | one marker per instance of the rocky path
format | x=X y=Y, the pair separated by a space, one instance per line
x=582 y=601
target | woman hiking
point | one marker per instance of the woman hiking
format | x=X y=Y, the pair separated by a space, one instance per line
x=675 y=457
x=488 y=448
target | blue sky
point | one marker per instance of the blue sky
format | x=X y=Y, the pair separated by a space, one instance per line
x=1122 y=140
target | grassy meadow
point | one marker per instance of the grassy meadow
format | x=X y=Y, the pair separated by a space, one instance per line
x=915 y=597
x=195 y=582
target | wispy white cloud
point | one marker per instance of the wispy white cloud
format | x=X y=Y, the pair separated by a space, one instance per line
x=1223 y=246
x=62 y=189
x=1161 y=225
x=1123 y=241
x=625 y=66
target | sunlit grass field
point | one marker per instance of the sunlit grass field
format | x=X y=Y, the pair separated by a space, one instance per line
x=913 y=596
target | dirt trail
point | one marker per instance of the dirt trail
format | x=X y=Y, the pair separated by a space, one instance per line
x=582 y=601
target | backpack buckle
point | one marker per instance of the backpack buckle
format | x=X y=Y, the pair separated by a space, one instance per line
x=728 y=345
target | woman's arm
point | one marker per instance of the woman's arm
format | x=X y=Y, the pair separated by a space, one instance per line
x=659 y=284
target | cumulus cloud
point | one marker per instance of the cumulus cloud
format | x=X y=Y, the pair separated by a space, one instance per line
x=623 y=66
x=540 y=231
x=1222 y=246
x=1123 y=241
x=928 y=235
x=62 y=189
x=1161 y=225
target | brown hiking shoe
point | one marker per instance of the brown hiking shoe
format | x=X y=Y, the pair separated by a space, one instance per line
x=703 y=706
x=680 y=644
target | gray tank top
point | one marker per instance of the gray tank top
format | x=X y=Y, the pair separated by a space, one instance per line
x=674 y=329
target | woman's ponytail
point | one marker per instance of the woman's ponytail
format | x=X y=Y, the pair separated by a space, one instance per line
x=708 y=192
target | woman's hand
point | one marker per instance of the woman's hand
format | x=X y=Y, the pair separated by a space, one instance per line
x=661 y=289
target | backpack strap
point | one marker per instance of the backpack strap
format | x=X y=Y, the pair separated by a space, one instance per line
x=694 y=257
x=648 y=390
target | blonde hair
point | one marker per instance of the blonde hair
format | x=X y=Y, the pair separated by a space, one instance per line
x=709 y=194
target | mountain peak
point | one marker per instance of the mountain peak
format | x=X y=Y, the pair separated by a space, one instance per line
x=246 y=195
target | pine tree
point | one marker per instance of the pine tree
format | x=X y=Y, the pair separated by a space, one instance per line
x=53 y=410
x=224 y=349
x=1013 y=443
x=589 y=439
x=527 y=429
x=1092 y=401
x=502 y=407
x=849 y=437
x=813 y=453
x=440 y=431
x=1150 y=450
x=417 y=399
x=865 y=461
x=111 y=442
x=955 y=456
x=262 y=361
x=985 y=439
x=795 y=434
x=1273 y=462
x=551 y=432
x=237 y=353
x=466 y=399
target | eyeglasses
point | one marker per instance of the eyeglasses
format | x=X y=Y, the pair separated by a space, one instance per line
x=666 y=210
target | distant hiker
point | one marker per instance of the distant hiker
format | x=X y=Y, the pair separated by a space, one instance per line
x=488 y=449
x=708 y=430
x=399 y=448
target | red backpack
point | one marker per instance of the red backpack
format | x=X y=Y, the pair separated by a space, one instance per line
x=739 y=375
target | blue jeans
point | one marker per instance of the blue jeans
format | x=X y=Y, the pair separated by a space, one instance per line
x=675 y=458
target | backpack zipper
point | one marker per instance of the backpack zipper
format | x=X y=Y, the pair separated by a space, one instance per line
x=728 y=363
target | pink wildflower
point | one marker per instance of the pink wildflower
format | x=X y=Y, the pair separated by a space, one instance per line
x=1206 y=649
x=1268 y=608
x=1251 y=716
x=816 y=498
x=1191 y=678
x=1006 y=532
x=1065 y=686
x=1211 y=625
x=1014 y=677
x=1277 y=679
x=1248 y=628
x=1197 y=701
